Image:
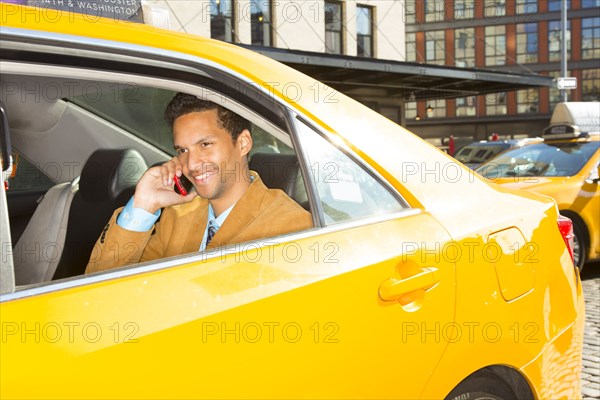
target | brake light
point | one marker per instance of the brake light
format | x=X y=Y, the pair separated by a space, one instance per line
x=565 y=226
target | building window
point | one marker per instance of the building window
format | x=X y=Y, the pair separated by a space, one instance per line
x=466 y=106
x=554 y=94
x=464 y=9
x=528 y=101
x=494 y=8
x=590 y=38
x=410 y=12
x=527 y=43
x=464 y=47
x=410 y=110
x=495 y=45
x=590 y=3
x=333 y=27
x=435 y=51
x=221 y=20
x=526 y=6
x=554 y=45
x=364 y=31
x=434 y=10
x=556 y=5
x=260 y=22
x=495 y=104
x=411 y=47
x=590 y=84
x=436 y=109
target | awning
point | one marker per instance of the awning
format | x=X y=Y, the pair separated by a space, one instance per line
x=365 y=77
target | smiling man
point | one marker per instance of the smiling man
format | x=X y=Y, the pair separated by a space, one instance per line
x=230 y=203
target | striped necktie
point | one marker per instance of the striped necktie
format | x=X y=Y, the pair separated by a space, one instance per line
x=211 y=232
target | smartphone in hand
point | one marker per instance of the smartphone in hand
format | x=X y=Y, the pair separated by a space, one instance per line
x=182 y=185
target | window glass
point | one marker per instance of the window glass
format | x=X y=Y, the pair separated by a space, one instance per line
x=590 y=84
x=590 y=3
x=554 y=40
x=435 y=49
x=221 y=20
x=436 y=108
x=346 y=191
x=136 y=109
x=495 y=45
x=494 y=8
x=495 y=104
x=527 y=43
x=464 y=9
x=434 y=10
x=411 y=47
x=260 y=22
x=333 y=27
x=528 y=101
x=464 y=47
x=590 y=38
x=30 y=176
x=466 y=106
x=264 y=142
x=364 y=31
x=410 y=11
x=543 y=159
x=526 y=6
x=410 y=108
x=556 y=5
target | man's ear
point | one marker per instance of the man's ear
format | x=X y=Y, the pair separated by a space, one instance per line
x=245 y=141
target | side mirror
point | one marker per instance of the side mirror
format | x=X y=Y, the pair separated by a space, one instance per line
x=597 y=178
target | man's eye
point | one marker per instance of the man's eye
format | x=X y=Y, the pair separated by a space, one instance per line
x=205 y=144
x=181 y=151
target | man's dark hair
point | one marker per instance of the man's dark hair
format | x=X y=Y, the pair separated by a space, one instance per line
x=184 y=103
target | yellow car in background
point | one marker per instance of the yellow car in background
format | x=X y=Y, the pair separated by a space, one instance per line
x=566 y=167
x=411 y=285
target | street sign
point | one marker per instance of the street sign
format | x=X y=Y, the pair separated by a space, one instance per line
x=566 y=83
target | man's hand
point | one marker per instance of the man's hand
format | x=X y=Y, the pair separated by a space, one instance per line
x=155 y=189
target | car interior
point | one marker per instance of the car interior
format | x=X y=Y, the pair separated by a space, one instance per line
x=81 y=156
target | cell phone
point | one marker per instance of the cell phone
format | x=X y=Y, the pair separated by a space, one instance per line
x=182 y=185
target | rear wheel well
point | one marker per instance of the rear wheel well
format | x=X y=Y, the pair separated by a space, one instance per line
x=498 y=380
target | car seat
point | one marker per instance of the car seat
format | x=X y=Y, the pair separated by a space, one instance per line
x=280 y=171
x=70 y=218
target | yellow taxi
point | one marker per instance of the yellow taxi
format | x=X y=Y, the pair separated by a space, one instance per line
x=419 y=280
x=564 y=166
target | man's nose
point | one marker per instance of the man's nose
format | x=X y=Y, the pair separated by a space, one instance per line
x=195 y=161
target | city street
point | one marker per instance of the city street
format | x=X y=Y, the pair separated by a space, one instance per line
x=590 y=384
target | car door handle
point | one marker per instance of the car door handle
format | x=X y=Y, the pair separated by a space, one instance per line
x=391 y=289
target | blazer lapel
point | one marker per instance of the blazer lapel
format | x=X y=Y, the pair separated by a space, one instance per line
x=243 y=213
x=196 y=225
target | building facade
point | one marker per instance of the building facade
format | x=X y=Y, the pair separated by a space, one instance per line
x=364 y=28
x=507 y=35
x=521 y=36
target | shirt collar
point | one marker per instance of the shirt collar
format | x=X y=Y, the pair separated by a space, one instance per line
x=218 y=221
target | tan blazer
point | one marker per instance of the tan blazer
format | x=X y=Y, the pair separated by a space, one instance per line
x=260 y=213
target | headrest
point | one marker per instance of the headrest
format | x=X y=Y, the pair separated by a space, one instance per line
x=277 y=171
x=109 y=172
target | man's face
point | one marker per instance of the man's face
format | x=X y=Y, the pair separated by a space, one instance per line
x=212 y=161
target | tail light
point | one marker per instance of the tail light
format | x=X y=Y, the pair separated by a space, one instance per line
x=565 y=226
